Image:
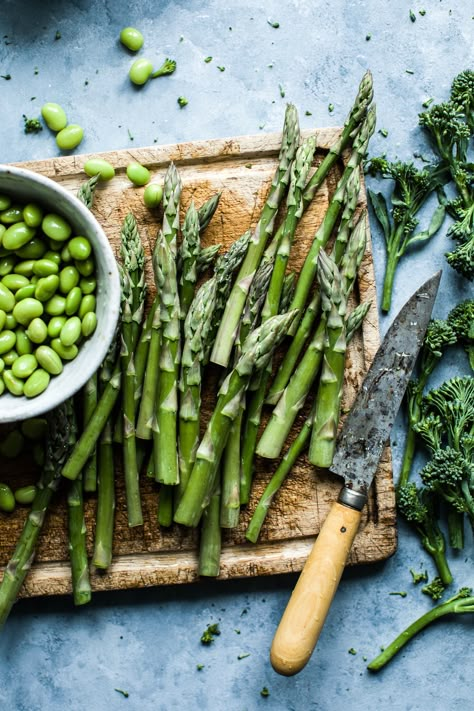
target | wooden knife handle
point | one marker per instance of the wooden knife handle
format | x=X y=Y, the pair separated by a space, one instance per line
x=305 y=614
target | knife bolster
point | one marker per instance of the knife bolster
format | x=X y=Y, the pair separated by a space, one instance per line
x=352 y=498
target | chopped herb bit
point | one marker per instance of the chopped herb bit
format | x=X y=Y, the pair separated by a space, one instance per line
x=124 y=693
x=421 y=577
x=182 y=101
x=282 y=91
x=412 y=16
x=368 y=38
x=275 y=25
x=270 y=66
x=264 y=692
x=247 y=166
x=221 y=69
x=243 y=656
x=208 y=635
x=208 y=59
x=383 y=132
x=32 y=125
x=181 y=39
x=308 y=113
x=401 y=593
x=331 y=108
x=352 y=651
x=245 y=610
x=364 y=659
x=7 y=77
x=199 y=667
x=36 y=70
x=57 y=36
x=422 y=12
x=130 y=135
x=435 y=589
x=427 y=103
x=421 y=157
x=86 y=83
x=409 y=71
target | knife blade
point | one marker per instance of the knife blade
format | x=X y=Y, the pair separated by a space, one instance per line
x=360 y=444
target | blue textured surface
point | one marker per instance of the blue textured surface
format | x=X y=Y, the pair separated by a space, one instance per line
x=147 y=641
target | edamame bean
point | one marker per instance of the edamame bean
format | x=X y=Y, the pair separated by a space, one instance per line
x=73 y=301
x=131 y=38
x=89 y=324
x=23 y=343
x=55 y=245
x=15 y=281
x=140 y=71
x=2 y=232
x=80 y=248
x=7 y=264
x=34 y=428
x=138 y=174
x=88 y=303
x=55 y=325
x=10 y=322
x=54 y=116
x=7 y=500
x=25 y=495
x=68 y=279
x=12 y=445
x=25 y=292
x=53 y=256
x=3 y=317
x=32 y=214
x=44 y=267
x=98 y=166
x=49 y=360
x=70 y=137
x=55 y=306
x=17 y=236
x=33 y=249
x=2 y=366
x=66 y=254
x=64 y=352
x=28 y=309
x=2 y=386
x=25 y=268
x=7 y=298
x=10 y=357
x=56 y=227
x=88 y=285
x=7 y=341
x=24 y=366
x=37 y=331
x=46 y=287
x=12 y=214
x=153 y=195
x=71 y=331
x=5 y=202
x=13 y=385
x=36 y=383
x=86 y=267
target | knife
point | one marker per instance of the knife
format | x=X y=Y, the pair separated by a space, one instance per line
x=360 y=444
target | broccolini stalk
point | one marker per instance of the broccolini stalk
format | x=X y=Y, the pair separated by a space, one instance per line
x=210 y=543
x=58 y=443
x=439 y=335
x=89 y=403
x=189 y=251
x=104 y=530
x=256 y=352
x=459 y=604
x=230 y=322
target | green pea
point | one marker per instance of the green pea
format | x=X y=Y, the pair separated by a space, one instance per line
x=24 y=366
x=12 y=444
x=7 y=264
x=25 y=268
x=46 y=287
x=68 y=279
x=56 y=305
x=53 y=256
x=55 y=325
x=88 y=285
x=25 y=292
x=153 y=195
x=10 y=357
x=12 y=214
x=7 y=341
x=36 y=383
x=54 y=116
x=3 y=318
x=34 y=428
x=5 y=202
x=131 y=38
x=80 y=248
x=33 y=249
x=88 y=303
x=140 y=71
x=28 y=309
x=38 y=454
x=71 y=331
x=89 y=324
x=45 y=267
x=25 y=495
x=23 y=343
x=15 y=281
x=17 y=236
x=37 y=331
x=66 y=254
x=138 y=174
x=98 y=166
x=14 y=385
x=7 y=298
x=64 y=352
x=56 y=227
x=73 y=301
x=70 y=137
x=49 y=360
x=7 y=500
x=32 y=214
x=86 y=267
x=10 y=322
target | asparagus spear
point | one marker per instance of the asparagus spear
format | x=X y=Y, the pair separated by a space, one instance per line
x=256 y=352
x=81 y=586
x=86 y=191
x=206 y=257
x=207 y=210
x=211 y=534
x=297 y=447
x=229 y=325
x=60 y=427
x=189 y=251
x=102 y=557
x=295 y=393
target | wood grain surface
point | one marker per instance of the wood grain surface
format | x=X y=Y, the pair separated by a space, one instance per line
x=241 y=170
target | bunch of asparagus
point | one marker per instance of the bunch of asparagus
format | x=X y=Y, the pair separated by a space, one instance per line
x=147 y=394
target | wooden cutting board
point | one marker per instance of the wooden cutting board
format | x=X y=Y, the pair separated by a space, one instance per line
x=241 y=170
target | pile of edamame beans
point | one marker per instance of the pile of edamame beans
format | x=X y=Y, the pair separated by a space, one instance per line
x=47 y=296
x=29 y=435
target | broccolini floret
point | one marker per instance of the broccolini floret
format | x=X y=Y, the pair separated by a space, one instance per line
x=435 y=589
x=461 y=320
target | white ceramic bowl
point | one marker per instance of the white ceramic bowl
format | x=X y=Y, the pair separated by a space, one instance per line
x=28 y=186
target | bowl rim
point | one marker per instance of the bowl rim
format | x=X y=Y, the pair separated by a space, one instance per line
x=25 y=407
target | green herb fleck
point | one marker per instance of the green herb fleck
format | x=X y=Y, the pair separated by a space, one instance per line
x=270 y=66
x=383 y=132
x=264 y=692
x=7 y=77
x=331 y=108
x=409 y=71
x=57 y=36
x=208 y=59
x=427 y=103
x=364 y=659
x=282 y=91
x=352 y=651
x=36 y=71
x=131 y=138
x=243 y=656
x=422 y=12
x=182 y=101
x=421 y=157
x=181 y=38
x=199 y=667
x=421 y=577
x=412 y=16
x=245 y=610
x=32 y=125
x=208 y=635
x=275 y=25
x=401 y=593
x=221 y=68
x=249 y=165
x=368 y=38
x=124 y=693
